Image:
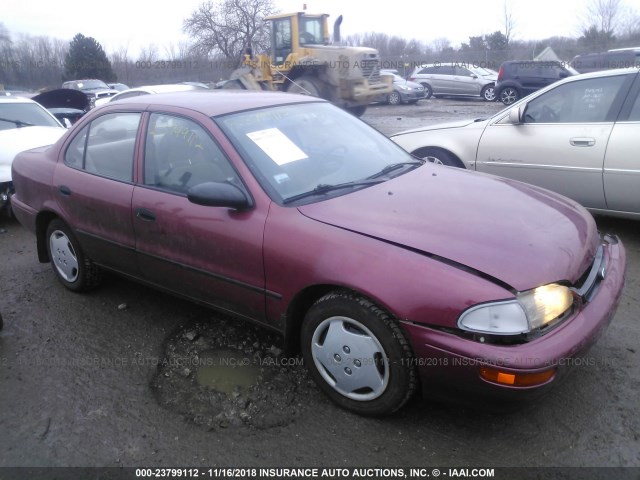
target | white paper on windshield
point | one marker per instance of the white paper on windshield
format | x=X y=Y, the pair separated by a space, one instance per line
x=277 y=145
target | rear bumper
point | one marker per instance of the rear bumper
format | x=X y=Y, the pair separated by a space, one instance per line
x=450 y=364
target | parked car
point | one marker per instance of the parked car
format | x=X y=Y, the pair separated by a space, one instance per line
x=66 y=104
x=519 y=78
x=440 y=79
x=118 y=86
x=593 y=62
x=148 y=90
x=94 y=89
x=288 y=211
x=24 y=124
x=404 y=91
x=578 y=137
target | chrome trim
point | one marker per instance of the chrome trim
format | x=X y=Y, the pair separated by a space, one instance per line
x=596 y=275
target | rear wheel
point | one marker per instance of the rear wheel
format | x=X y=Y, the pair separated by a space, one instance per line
x=488 y=93
x=509 y=95
x=428 y=91
x=438 y=156
x=358 y=354
x=73 y=268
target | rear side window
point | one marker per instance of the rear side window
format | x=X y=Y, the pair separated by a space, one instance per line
x=584 y=101
x=106 y=146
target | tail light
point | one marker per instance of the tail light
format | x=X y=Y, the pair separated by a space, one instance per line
x=500 y=73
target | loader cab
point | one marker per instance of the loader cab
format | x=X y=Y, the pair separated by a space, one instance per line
x=291 y=32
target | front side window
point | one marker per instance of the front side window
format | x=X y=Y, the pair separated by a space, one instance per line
x=180 y=154
x=281 y=40
x=584 y=101
x=106 y=146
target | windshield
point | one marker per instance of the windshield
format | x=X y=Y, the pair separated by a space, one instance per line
x=312 y=151
x=92 y=85
x=18 y=115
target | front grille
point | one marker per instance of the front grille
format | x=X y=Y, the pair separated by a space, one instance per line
x=371 y=70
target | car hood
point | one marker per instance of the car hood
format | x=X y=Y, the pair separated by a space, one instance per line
x=63 y=98
x=16 y=140
x=441 y=126
x=520 y=235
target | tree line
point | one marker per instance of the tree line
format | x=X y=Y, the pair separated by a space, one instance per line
x=221 y=30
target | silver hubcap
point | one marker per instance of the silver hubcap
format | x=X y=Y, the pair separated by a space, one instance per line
x=490 y=94
x=350 y=358
x=64 y=256
x=509 y=96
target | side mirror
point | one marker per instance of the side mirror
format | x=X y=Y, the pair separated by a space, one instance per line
x=218 y=194
x=473 y=75
x=516 y=114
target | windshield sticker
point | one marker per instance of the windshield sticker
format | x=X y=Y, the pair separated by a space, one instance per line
x=281 y=178
x=277 y=145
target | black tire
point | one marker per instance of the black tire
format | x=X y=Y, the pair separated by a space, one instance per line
x=346 y=339
x=306 y=85
x=73 y=268
x=428 y=91
x=394 y=98
x=438 y=156
x=488 y=93
x=357 y=111
x=509 y=95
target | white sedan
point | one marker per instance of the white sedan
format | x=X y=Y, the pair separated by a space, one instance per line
x=24 y=124
x=579 y=137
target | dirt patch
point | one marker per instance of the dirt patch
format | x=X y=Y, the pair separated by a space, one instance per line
x=228 y=374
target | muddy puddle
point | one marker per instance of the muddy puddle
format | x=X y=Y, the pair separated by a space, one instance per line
x=222 y=373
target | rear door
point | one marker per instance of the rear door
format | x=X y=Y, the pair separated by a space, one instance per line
x=94 y=188
x=562 y=142
x=622 y=160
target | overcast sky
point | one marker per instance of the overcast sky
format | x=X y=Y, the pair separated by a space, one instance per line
x=138 y=23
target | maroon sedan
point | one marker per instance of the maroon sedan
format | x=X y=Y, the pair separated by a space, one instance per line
x=386 y=272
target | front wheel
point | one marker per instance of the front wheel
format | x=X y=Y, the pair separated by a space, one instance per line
x=358 y=354
x=73 y=268
x=394 y=98
x=438 y=156
x=306 y=85
x=509 y=95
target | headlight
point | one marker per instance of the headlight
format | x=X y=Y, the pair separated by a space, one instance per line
x=404 y=87
x=531 y=309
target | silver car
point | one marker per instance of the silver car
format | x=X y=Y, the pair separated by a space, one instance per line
x=440 y=79
x=579 y=137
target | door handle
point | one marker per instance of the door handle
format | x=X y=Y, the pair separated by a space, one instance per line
x=64 y=190
x=582 y=141
x=145 y=215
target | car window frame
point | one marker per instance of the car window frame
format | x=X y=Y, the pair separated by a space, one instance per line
x=242 y=184
x=612 y=112
x=86 y=127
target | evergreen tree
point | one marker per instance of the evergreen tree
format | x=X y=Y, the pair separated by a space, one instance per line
x=87 y=59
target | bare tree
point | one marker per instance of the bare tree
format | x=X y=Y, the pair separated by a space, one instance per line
x=508 y=22
x=229 y=27
x=604 y=15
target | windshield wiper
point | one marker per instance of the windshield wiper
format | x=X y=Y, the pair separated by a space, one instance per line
x=17 y=123
x=397 y=166
x=324 y=188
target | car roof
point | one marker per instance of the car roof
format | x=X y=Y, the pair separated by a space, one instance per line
x=214 y=102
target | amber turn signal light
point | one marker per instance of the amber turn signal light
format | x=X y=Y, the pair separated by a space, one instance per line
x=501 y=377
